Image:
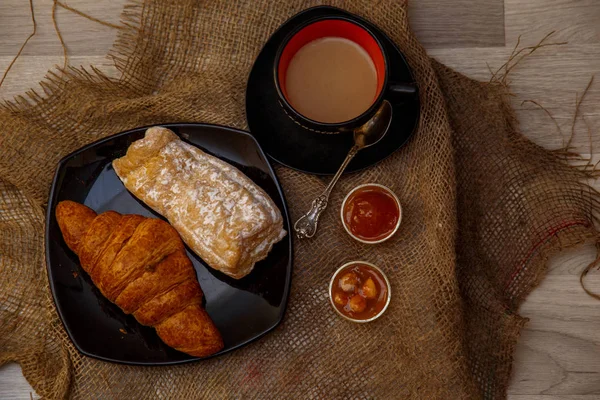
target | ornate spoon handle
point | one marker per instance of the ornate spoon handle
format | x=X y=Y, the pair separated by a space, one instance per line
x=306 y=226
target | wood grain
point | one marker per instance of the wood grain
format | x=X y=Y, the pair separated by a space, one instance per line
x=552 y=76
x=559 y=350
x=558 y=355
x=13 y=385
x=81 y=36
x=458 y=23
x=29 y=70
x=575 y=21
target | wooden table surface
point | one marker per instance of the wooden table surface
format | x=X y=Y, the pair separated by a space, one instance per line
x=558 y=355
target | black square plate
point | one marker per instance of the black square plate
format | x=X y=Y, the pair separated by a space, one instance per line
x=243 y=310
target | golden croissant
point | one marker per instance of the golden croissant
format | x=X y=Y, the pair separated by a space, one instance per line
x=140 y=264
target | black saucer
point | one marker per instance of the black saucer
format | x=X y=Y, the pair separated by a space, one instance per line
x=290 y=144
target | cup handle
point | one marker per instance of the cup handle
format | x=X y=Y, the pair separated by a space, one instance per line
x=401 y=92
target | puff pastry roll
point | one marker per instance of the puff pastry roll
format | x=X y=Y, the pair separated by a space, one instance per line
x=225 y=218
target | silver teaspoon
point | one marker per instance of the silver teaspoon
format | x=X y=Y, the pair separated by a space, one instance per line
x=366 y=135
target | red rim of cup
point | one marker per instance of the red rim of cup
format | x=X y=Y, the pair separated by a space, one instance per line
x=331 y=28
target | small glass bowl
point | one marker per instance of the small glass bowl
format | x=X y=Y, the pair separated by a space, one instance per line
x=387 y=190
x=387 y=283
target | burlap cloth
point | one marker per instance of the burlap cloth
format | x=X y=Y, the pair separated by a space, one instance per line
x=483 y=210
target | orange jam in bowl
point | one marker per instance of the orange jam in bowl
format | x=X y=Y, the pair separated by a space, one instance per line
x=359 y=291
x=371 y=213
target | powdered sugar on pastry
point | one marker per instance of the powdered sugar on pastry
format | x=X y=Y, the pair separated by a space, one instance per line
x=219 y=212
